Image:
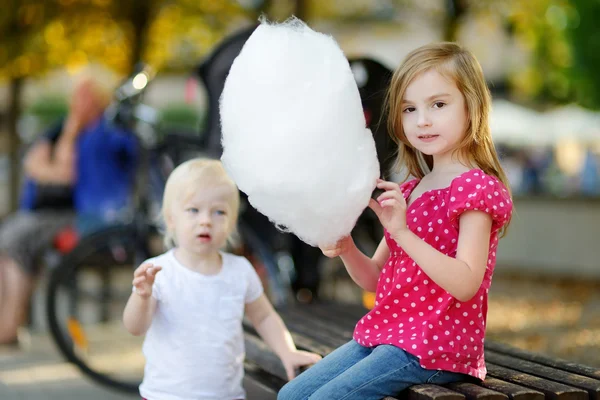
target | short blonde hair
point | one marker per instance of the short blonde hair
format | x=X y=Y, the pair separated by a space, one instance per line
x=189 y=177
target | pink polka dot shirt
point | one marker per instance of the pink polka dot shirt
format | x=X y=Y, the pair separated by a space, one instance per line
x=414 y=313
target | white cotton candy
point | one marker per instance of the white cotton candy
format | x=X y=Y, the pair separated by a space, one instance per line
x=294 y=137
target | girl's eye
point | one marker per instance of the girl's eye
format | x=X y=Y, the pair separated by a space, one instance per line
x=192 y=210
x=409 y=109
x=439 y=104
x=220 y=212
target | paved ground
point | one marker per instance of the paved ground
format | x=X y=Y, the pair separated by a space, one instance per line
x=558 y=318
x=37 y=372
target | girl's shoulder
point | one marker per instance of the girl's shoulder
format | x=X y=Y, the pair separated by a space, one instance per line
x=477 y=181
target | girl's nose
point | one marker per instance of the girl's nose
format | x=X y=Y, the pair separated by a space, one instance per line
x=423 y=119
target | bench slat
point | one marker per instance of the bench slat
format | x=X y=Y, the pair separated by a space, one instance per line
x=308 y=344
x=579 y=369
x=431 y=392
x=475 y=392
x=343 y=316
x=302 y=342
x=552 y=390
x=260 y=354
x=513 y=391
x=583 y=382
x=312 y=329
x=261 y=380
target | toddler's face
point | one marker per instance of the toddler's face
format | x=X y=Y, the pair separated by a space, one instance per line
x=202 y=221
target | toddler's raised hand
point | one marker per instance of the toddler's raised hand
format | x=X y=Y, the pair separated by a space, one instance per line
x=340 y=247
x=143 y=279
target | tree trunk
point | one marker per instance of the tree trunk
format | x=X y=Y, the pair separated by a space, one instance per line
x=455 y=10
x=140 y=19
x=300 y=9
x=14 y=142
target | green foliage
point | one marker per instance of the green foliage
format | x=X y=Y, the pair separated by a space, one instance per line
x=181 y=117
x=41 y=114
x=49 y=107
x=585 y=42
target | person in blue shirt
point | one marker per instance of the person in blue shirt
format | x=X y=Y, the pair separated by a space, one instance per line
x=80 y=173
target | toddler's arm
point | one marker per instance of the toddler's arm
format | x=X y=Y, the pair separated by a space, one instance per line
x=141 y=306
x=271 y=328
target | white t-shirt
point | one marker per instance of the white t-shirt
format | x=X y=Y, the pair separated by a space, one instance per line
x=194 y=348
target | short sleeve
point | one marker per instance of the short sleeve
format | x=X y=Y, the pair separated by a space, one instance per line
x=477 y=191
x=254 y=287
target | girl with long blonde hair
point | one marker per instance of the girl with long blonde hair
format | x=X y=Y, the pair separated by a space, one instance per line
x=433 y=268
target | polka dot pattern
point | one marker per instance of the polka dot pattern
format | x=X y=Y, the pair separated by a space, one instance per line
x=414 y=312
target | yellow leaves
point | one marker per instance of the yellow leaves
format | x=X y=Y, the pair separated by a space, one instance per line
x=22 y=66
x=77 y=60
x=72 y=33
x=560 y=53
x=527 y=82
x=30 y=14
x=101 y=3
x=54 y=33
x=182 y=33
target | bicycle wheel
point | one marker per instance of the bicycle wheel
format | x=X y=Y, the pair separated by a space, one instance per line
x=86 y=296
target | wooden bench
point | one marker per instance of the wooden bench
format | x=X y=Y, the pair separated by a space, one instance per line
x=512 y=373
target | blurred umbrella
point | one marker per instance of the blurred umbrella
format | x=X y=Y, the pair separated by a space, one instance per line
x=514 y=124
x=574 y=122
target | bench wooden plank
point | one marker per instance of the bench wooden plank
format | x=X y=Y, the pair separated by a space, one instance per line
x=431 y=392
x=312 y=329
x=302 y=342
x=552 y=390
x=262 y=382
x=260 y=354
x=513 y=391
x=583 y=382
x=321 y=324
x=342 y=316
x=579 y=369
x=475 y=392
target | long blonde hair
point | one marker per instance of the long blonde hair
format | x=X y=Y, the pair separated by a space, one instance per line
x=460 y=65
x=189 y=177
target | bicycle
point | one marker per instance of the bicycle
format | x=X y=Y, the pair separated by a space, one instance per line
x=88 y=289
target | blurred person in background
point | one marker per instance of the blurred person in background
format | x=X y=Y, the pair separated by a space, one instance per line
x=78 y=173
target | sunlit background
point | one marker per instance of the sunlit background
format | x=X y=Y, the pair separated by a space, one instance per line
x=541 y=59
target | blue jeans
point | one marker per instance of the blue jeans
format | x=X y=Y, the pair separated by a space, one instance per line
x=357 y=372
